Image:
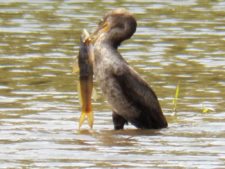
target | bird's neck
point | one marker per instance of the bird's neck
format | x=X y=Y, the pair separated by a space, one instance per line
x=103 y=50
x=105 y=39
x=105 y=47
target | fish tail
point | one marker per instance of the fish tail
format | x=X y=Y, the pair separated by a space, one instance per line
x=82 y=118
x=90 y=118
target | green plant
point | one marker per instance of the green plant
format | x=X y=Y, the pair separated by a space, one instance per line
x=176 y=98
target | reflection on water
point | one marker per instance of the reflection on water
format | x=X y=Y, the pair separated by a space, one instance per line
x=175 y=41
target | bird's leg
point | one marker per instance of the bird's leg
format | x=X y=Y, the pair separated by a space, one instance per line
x=118 y=121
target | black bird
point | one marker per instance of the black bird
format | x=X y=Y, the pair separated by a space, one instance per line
x=131 y=98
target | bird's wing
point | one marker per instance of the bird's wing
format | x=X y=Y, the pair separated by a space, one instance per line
x=140 y=95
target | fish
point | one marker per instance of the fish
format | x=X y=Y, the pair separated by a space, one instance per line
x=85 y=63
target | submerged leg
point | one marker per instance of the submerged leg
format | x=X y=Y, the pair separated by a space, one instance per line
x=118 y=121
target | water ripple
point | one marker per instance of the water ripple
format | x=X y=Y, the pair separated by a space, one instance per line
x=39 y=106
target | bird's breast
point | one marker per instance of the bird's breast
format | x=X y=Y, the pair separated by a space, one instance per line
x=114 y=93
x=107 y=65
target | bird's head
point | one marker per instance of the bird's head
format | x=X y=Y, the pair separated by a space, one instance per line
x=115 y=27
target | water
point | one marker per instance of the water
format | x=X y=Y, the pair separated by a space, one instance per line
x=39 y=108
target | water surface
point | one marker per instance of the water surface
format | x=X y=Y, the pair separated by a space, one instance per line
x=39 y=108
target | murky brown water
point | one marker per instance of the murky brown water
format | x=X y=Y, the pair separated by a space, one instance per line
x=39 y=109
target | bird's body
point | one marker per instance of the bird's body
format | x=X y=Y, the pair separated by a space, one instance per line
x=106 y=71
x=131 y=98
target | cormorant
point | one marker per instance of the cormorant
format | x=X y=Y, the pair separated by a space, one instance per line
x=131 y=98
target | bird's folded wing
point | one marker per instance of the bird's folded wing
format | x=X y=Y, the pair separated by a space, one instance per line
x=140 y=94
x=136 y=89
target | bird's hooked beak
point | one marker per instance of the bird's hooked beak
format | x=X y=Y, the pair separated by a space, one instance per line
x=103 y=28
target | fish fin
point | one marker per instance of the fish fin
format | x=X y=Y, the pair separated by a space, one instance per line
x=79 y=93
x=82 y=118
x=94 y=94
x=90 y=118
x=75 y=67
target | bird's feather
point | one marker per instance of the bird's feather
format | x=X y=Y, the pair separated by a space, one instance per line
x=139 y=94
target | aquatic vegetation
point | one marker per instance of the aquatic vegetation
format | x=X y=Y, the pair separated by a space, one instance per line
x=175 y=99
x=207 y=109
